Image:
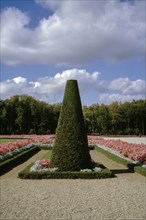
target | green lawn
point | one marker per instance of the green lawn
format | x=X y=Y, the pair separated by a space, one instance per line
x=5 y=140
x=47 y=155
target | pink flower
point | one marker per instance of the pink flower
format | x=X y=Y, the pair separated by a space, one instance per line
x=44 y=163
x=133 y=151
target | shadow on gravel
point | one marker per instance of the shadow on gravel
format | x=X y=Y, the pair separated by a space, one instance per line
x=130 y=169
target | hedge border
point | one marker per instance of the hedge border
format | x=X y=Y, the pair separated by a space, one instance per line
x=131 y=166
x=20 y=158
x=26 y=174
x=10 y=163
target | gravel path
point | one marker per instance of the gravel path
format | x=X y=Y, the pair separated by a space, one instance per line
x=120 y=198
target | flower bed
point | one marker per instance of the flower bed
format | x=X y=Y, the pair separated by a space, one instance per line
x=44 y=165
x=10 y=149
x=11 y=146
x=132 y=167
x=135 y=152
x=33 y=171
x=14 y=161
x=14 y=153
x=42 y=169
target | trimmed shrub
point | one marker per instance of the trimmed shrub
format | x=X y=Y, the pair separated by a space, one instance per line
x=140 y=170
x=70 y=151
x=91 y=147
x=26 y=174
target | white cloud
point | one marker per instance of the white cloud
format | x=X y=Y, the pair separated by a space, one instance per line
x=108 y=98
x=92 y=88
x=125 y=86
x=77 y=32
x=19 y=79
x=52 y=5
x=48 y=88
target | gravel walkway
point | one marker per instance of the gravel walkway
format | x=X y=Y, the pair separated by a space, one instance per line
x=120 y=198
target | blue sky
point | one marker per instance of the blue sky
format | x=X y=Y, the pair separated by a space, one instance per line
x=99 y=43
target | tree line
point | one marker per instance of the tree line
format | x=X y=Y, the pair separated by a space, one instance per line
x=22 y=114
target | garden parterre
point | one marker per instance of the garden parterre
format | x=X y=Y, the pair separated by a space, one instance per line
x=9 y=149
x=135 y=152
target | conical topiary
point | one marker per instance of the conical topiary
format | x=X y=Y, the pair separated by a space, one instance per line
x=70 y=151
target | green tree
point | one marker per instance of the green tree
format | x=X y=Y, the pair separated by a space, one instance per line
x=91 y=121
x=103 y=120
x=116 y=117
x=71 y=152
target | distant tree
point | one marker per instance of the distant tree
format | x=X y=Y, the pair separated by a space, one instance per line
x=103 y=120
x=24 y=114
x=116 y=117
x=71 y=151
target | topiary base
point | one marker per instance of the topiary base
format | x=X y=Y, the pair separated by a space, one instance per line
x=26 y=174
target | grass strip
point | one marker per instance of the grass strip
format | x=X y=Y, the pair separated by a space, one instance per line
x=47 y=155
x=113 y=157
x=135 y=167
x=6 y=140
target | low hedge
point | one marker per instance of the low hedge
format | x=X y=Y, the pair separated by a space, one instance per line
x=20 y=158
x=140 y=170
x=91 y=147
x=26 y=174
x=131 y=166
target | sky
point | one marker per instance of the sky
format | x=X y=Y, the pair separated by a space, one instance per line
x=101 y=43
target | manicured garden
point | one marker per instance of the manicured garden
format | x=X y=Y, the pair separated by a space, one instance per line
x=130 y=155
x=15 y=152
x=135 y=152
x=11 y=153
x=70 y=156
x=68 y=151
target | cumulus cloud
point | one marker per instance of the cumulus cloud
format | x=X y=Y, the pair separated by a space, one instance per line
x=107 y=98
x=49 y=89
x=92 y=88
x=75 y=33
x=125 y=86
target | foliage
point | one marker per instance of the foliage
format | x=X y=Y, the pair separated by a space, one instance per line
x=117 y=118
x=91 y=146
x=140 y=170
x=24 y=114
x=20 y=158
x=71 y=152
x=26 y=174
